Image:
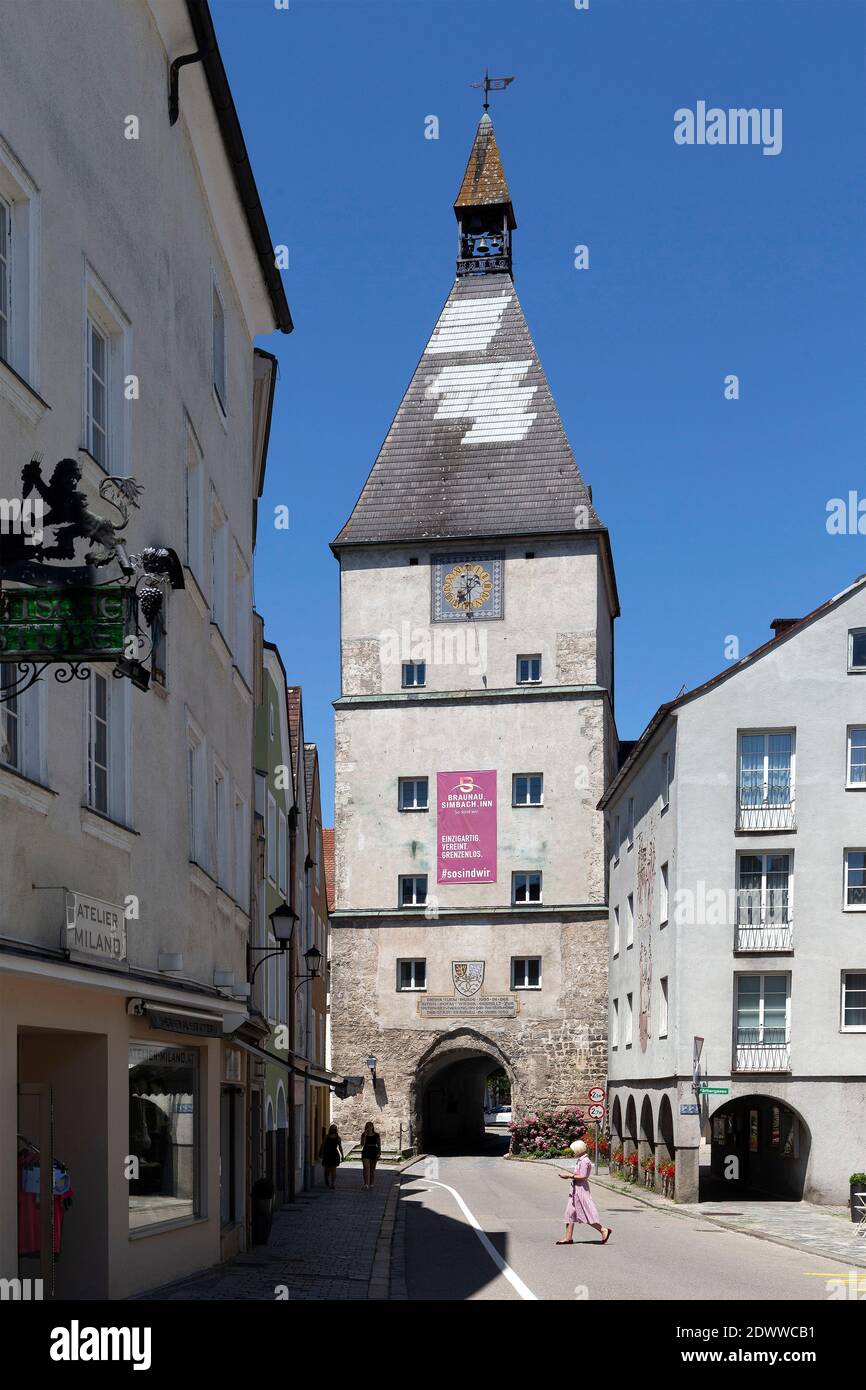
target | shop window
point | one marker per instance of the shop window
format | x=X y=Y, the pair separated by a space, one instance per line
x=163 y=1134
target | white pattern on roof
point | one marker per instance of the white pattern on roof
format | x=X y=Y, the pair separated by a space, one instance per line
x=488 y=393
x=468 y=325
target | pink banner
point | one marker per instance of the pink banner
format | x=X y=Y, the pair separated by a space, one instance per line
x=466 y=827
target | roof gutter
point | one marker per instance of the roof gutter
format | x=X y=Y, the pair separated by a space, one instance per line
x=235 y=147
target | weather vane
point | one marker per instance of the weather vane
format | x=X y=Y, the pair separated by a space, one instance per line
x=491 y=84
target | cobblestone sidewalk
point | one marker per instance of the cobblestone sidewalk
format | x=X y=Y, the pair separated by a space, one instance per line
x=326 y=1245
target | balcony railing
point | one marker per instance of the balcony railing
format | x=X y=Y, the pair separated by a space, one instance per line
x=767 y=925
x=762 y=1051
x=767 y=807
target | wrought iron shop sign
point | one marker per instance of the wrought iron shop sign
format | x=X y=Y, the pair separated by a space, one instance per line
x=66 y=624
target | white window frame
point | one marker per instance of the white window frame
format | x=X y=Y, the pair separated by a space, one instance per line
x=522 y=984
x=102 y=309
x=197 y=796
x=530 y=679
x=628 y=1020
x=242 y=624
x=222 y=860
x=413 y=782
x=846 y=906
x=615 y=950
x=617 y=842
x=629 y=827
x=414 y=879
x=219 y=568
x=666 y=780
x=850 y=1027
x=117 y=745
x=219 y=357
x=762 y=975
x=664 y=894
x=629 y=921
x=664 y=1006
x=241 y=832
x=272 y=849
x=22 y=198
x=528 y=778
x=851 y=785
x=414 y=667
x=282 y=852
x=614 y=1026
x=414 y=987
x=527 y=874
x=767 y=804
x=28 y=711
x=852 y=633
x=195 y=510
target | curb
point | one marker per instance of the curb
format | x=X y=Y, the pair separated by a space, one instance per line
x=379 y=1282
x=671 y=1209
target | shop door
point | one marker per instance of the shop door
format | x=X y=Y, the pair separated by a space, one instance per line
x=35 y=1180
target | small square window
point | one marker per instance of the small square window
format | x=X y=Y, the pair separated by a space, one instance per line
x=525 y=888
x=411 y=975
x=857 y=649
x=413 y=890
x=528 y=670
x=413 y=560
x=526 y=972
x=856 y=776
x=854 y=999
x=412 y=794
x=855 y=880
x=527 y=789
x=414 y=674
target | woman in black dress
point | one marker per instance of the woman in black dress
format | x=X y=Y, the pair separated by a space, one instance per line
x=331 y=1155
x=371 y=1147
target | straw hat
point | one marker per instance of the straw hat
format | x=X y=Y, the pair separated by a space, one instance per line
x=578 y=1148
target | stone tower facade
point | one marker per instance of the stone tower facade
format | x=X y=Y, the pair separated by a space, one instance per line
x=474 y=730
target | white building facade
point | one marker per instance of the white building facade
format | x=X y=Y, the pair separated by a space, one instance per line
x=737 y=833
x=137 y=283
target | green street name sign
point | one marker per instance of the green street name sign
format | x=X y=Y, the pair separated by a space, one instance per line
x=713 y=1090
x=65 y=624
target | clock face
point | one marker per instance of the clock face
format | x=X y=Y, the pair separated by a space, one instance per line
x=467 y=586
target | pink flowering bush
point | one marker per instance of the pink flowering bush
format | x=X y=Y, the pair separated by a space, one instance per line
x=547 y=1134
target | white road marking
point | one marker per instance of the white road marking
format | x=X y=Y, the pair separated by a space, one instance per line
x=502 y=1265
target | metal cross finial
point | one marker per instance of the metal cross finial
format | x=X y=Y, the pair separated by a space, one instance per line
x=491 y=84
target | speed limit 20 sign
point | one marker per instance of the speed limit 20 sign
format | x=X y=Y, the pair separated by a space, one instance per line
x=596 y=1112
x=596 y=1095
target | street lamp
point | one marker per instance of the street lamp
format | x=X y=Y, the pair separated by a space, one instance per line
x=372 y=1063
x=313 y=958
x=282 y=921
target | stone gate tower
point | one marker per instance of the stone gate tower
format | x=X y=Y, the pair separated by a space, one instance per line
x=474 y=731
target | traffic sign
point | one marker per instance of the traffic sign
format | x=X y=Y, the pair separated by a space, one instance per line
x=597 y=1094
x=713 y=1090
x=690 y=1110
x=596 y=1112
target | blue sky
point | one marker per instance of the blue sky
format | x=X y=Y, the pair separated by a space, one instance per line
x=704 y=261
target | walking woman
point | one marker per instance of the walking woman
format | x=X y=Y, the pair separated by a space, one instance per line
x=331 y=1156
x=580 y=1208
x=371 y=1148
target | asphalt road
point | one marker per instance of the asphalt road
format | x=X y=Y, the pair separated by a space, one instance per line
x=519 y=1207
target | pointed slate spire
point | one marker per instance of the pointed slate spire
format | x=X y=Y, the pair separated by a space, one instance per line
x=477 y=447
x=484 y=183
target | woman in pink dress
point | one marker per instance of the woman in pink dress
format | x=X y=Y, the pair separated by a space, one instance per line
x=580 y=1207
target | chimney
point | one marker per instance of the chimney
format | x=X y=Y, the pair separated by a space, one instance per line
x=781 y=625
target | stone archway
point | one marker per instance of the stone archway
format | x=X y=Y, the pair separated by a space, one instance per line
x=760 y=1148
x=646 y=1132
x=615 y=1125
x=629 y=1138
x=447 y=1092
x=665 y=1139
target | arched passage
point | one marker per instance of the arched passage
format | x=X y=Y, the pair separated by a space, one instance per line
x=449 y=1091
x=760 y=1148
x=615 y=1125
x=646 y=1132
x=629 y=1138
x=665 y=1138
